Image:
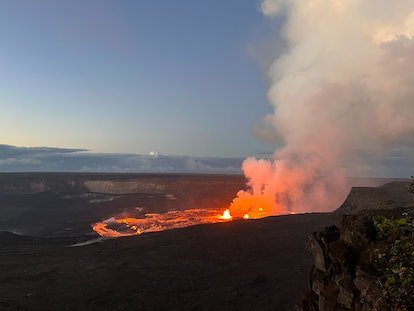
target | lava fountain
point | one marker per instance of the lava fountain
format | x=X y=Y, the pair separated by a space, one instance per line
x=226 y=215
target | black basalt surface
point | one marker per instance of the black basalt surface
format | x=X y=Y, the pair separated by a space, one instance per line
x=241 y=265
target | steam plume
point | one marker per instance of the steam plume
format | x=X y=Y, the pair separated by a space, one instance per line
x=342 y=95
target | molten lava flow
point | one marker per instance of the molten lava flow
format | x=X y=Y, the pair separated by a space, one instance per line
x=254 y=203
x=245 y=206
x=117 y=227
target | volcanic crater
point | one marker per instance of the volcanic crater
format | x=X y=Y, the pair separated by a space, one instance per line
x=52 y=259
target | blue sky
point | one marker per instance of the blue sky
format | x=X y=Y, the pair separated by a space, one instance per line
x=177 y=77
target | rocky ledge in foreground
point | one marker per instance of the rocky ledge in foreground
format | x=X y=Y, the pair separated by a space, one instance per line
x=365 y=264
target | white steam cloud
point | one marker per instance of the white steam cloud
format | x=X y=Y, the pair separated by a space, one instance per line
x=344 y=91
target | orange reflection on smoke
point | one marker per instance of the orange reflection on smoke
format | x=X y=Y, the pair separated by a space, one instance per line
x=249 y=206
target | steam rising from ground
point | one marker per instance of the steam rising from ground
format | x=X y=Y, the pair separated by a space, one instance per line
x=343 y=98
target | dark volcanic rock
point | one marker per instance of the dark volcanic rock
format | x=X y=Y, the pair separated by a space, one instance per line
x=364 y=265
x=253 y=265
x=240 y=265
x=391 y=195
x=63 y=204
x=32 y=183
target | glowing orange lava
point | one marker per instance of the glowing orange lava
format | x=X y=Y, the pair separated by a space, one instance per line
x=245 y=206
x=117 y=227
x=253 y=206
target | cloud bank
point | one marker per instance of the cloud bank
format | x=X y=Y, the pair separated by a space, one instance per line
x=42 y=159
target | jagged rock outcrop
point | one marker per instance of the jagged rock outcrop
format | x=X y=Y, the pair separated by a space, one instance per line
x=364 y=264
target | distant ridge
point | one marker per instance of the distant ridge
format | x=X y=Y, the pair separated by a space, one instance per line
x=391 y=195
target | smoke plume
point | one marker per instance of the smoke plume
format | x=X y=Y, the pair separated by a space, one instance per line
x=343 y=98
